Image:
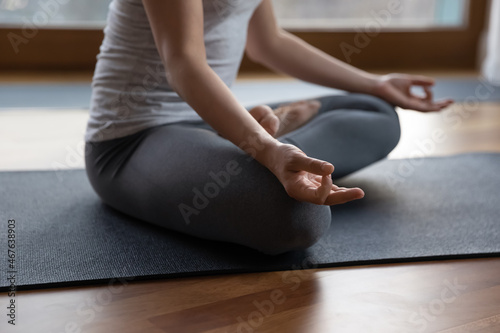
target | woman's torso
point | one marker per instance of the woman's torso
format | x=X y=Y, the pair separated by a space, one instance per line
x=130 y=91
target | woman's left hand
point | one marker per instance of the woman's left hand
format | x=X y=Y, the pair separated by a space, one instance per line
x=396 y=89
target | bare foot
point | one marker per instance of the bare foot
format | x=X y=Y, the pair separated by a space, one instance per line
x=266 y=118
x=294 y=115
x=285 y=118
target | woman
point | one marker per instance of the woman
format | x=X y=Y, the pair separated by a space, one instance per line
x=168 y=143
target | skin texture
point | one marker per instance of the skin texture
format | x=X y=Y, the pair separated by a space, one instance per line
x=285 y=118
x=177 y=27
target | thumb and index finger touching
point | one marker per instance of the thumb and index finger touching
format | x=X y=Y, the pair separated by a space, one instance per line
x=303 y=162
x=426 y=102
x=326 y=193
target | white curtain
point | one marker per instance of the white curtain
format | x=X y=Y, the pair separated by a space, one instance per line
x=491 y=65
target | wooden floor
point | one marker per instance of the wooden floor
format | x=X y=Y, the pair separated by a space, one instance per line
x=443 y=296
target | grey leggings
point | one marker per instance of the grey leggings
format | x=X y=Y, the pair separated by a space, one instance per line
x=186 y=177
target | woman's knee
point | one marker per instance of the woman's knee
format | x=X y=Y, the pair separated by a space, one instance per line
x=356 y=101
x=387 y=126
x=374 y=103
x=299 y=228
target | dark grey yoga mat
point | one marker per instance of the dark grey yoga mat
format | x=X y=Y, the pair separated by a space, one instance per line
x=422 y=209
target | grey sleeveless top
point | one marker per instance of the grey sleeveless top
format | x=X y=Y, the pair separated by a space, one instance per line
x=129 y=88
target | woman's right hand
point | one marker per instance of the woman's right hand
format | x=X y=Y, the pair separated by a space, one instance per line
x=307 y=179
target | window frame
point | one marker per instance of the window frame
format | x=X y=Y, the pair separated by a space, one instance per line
x=457 y=48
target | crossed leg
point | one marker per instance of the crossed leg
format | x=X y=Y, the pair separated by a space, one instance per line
x=187 y=178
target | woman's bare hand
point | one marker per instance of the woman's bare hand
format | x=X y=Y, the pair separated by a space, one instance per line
x=396 y=89
x=308 y=179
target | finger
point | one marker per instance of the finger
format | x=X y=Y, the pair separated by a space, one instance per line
x=343 y=196
x=399 y=98
x=420 y=80
x=315 y=193
x=429 y=95
x=425 y=106
x=427 y=98
x=444 y=103
x=323 y=191
x=307 y=194
x=428 y=107
x=312 y=165
x=315 y=179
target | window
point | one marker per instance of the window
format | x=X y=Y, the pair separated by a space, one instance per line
x=292 y=14
x=420 y=34
x=89 y=14
x=390 y=14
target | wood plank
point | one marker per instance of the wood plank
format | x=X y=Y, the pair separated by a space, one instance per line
x=416 y=297
x=425 y=297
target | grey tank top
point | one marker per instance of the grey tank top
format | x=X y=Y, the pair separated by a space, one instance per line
x=129 y=88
